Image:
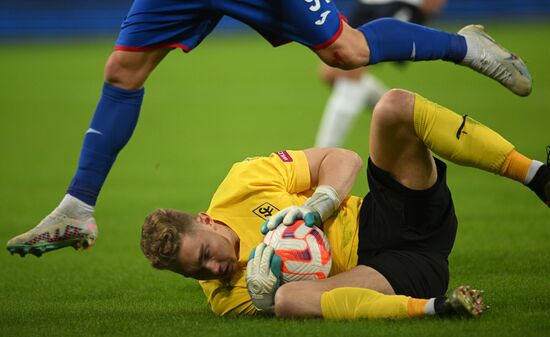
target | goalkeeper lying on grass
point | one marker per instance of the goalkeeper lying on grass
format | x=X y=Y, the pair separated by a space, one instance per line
x=389 y=249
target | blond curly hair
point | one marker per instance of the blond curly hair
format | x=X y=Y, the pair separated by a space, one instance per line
x=161 y=235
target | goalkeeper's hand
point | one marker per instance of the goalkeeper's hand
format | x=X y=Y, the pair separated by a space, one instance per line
x=289 y=215
x=263 y=273
x=315 y=210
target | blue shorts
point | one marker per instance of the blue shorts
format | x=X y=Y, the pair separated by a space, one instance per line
x=184 y=24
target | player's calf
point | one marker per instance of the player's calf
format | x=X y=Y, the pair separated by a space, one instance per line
x=393 y=40
x=354 y=303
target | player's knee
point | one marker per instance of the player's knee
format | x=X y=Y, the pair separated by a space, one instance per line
x=285 y=301
x=394 y=107
x=120 y=72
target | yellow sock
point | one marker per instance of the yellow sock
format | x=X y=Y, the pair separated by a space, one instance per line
x=516 y=166
x=352 y=303
x=459 y=139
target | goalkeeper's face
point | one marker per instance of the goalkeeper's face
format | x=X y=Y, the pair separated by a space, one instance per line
x=207 y=254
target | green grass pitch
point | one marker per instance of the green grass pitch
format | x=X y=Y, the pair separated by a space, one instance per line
x=231 y=98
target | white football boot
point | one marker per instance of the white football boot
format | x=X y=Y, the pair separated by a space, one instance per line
x=71 y=224
x=489 y=58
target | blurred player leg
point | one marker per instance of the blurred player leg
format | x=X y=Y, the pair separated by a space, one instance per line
x=350 y=95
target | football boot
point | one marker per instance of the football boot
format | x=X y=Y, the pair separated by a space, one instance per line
x=54 y=232
x=496 y=61
x=461 y=302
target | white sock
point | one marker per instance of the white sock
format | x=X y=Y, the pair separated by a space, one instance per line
x=74 y=208
x=429 y=308
x=347 y=100
x=533 y=169
x=374 y=89
x=472 y=51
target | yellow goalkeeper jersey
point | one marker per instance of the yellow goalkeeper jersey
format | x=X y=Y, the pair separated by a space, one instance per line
x=252 y=191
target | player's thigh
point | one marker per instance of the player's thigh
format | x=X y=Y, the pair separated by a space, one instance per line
x=152 y=24
x=303 y=298
x=360 y=277
x=313 y=23
x=394 y=145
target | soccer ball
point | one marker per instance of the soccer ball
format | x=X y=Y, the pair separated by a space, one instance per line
x=304 y=250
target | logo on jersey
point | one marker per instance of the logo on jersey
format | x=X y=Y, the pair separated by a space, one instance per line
x=323 y=18
x=265 y=210
x=284 y=156
x=316 y=6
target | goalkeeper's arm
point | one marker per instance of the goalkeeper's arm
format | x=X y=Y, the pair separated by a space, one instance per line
x=335 y=167
x=333 y=171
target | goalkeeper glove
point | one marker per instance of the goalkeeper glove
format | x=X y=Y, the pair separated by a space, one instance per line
x=263 y=273
x=315 y=210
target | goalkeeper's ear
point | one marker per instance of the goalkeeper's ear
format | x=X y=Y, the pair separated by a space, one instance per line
x=204 y=218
